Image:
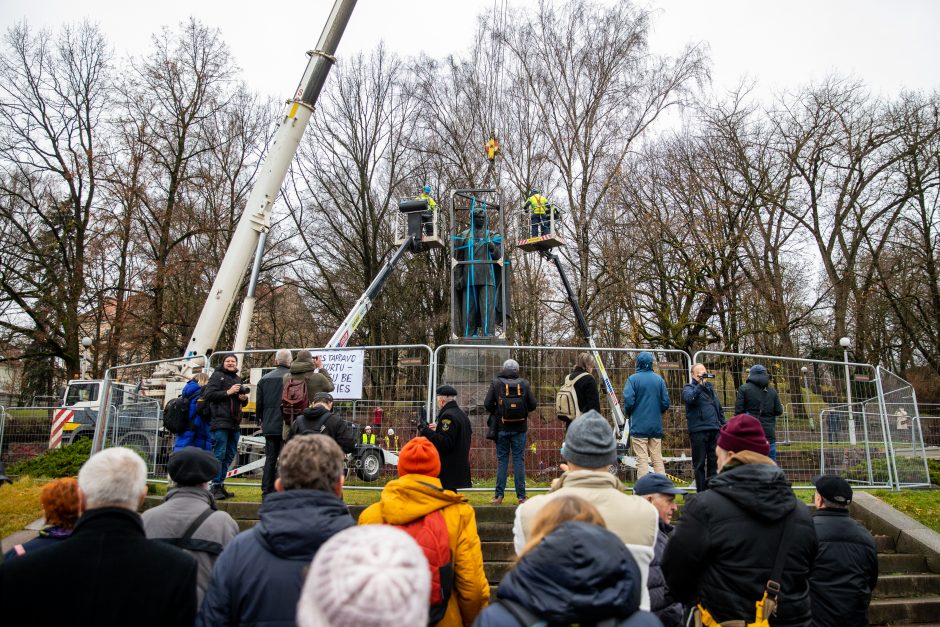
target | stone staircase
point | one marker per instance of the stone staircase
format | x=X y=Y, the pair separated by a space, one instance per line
x=908 y=593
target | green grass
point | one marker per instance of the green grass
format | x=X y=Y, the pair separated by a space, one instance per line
x=921 y=505
x=19 y=504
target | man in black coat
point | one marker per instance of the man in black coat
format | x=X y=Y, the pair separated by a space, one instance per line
x=320 y=419
x=757 y=398
x=268 y=409
x=224 y=400
x=122 y=578
x=722 y=552
x=511 y=436
x=451 y=437
x=258 y=578
x=846 y=568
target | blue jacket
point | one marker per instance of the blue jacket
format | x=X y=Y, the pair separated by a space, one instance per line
x=645 y=398
x=258 y=577
x=200 y=435
x=579 y=573
x=702 y=409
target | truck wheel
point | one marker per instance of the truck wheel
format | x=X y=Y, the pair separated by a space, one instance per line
x=78 y=434
x=371 y=465
x=141 y=443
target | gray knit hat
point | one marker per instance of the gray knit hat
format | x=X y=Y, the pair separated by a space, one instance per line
x=590 y=441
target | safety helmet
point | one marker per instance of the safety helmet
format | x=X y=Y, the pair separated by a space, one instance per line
x=391 y=432
x=427 y=189
x=533 y=191
x=368 y=427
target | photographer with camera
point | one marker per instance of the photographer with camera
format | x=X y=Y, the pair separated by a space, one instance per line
x=705 y=417
x=224 y=397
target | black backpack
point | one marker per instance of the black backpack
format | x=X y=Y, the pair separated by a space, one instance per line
x=510 y=404
x=176 y=415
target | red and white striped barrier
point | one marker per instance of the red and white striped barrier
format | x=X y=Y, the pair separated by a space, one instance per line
x=59 y=418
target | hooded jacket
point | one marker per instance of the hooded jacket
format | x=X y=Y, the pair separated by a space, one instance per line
x=758 y=399
x=258 y=578
x=645 y=398
x=845 y=572
x=317 y=417
x=317 y=380
x=199 y=435
x=170 y=520
x=632 y=518
x=580 y=573
x=225 y=410
x=491 y=402
x=724 y=545
x=410 y=497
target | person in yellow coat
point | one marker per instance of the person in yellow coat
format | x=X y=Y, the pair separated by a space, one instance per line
x=415 y=498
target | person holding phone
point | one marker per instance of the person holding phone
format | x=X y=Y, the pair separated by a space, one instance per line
x=705 y=417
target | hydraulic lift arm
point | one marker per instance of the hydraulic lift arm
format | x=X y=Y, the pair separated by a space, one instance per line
x=621 y=424
x=358 y=312
x=256 y=218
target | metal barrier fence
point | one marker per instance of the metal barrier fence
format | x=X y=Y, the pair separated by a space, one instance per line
x=898 y=405
x=394 y=378
x=471 y=369
x=24 y=433
x=831 y=422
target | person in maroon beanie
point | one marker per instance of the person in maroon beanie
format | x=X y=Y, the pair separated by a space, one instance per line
x=725 y=546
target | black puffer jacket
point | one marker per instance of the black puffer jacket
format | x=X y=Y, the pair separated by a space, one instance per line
x=846 y=570
x=579 y=573
x=225 y=410
x=318 y=419
x=723 y=549
x=758 y=399
x=662 y=604
x=491 y=402
x=258 y=577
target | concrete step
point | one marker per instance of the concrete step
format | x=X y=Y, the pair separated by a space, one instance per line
x=907 y=585
x=904 y=611
x=495 y=571
x=495 y=513
x=494 y=532
x=498 y=552
x=901 y=563
x=884 y=544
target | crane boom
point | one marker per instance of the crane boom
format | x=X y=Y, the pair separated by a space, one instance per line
x=622 y=425
x=256 y=218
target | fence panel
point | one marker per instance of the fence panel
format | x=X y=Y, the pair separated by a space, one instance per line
x=828 y=424
x=471 y=369
x=904 y=429
x=386 y=387
x=24 y=433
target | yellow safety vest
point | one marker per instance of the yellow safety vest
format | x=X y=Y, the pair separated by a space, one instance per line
x=431 y=203
x=368 y=438
x=538 y=203
x=388 y=443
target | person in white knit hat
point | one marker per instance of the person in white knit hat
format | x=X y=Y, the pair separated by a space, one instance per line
x=345 y=587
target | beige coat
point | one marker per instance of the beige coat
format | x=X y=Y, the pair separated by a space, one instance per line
x=632 y=518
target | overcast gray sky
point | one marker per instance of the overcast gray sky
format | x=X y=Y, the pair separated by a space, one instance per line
x=890 y=45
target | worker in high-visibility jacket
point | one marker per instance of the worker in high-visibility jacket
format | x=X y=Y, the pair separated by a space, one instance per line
x=427 y=216
x=538 y=207
x=367 y=436
x=391 y=441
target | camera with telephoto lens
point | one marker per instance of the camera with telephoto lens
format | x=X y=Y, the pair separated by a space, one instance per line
x=244 y=389
x=708 y=375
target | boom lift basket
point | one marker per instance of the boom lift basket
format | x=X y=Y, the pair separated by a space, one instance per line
x=527 y=241
x=415 y=217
